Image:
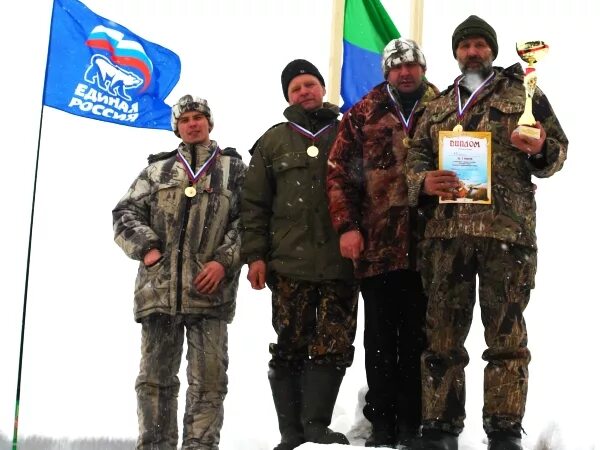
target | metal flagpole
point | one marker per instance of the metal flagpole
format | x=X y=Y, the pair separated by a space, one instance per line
x=416 y=21
x=24 y=314
x=18 y=395
x=335 y=52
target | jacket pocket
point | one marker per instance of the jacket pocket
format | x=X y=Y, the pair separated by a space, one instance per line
x=152 y=286
x=167 y=197
x=289 y=161
x=219 y=200
x=507 y=106
x=503 y=118
x=441 y=115
x=293 y=185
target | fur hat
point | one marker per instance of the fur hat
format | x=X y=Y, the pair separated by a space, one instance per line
x=399 y=51
x=190 y=103
x=295 y=68
x=475 y=26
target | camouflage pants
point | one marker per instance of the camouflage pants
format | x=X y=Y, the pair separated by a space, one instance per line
x=157 y=384
x=506 y=275
x=313 y=320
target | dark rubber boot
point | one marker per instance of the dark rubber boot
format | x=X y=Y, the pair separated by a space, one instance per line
x=320 y=386
x=285 y=387
x=499 y=440
x=436 y=440
x=382 y=435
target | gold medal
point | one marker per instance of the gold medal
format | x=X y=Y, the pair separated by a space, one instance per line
x=312 y=151
x=458 y=128
x=190 y=191
x=406 y=142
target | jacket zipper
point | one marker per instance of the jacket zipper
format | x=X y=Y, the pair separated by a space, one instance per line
x=182 y=232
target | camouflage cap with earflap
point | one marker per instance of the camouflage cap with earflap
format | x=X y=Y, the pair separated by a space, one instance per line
x=190 y=103
x=399 y=51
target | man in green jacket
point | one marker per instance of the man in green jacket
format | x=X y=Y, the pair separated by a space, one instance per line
x=493 y=241
x=290 y=245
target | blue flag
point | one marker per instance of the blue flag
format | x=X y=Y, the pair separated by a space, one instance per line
x=100 y=70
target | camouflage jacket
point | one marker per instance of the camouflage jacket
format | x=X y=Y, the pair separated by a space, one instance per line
x=155 y=213
x=511 y=216
x=366 y=181
x=284 y=214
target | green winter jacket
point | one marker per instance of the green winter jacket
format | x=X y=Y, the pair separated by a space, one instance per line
x=285 y=220
x=511 y=215
x=155 y=213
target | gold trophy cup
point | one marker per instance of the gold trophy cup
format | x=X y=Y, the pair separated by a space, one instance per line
x=530 y=52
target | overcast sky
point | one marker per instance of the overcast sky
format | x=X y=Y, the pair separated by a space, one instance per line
x=82 y=345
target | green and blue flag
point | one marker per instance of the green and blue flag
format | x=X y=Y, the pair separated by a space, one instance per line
x=367 y=30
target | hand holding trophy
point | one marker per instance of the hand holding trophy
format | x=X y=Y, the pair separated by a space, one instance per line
x=530 y=52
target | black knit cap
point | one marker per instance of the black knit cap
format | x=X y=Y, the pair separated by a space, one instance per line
x=295 y=68
x=475 y=26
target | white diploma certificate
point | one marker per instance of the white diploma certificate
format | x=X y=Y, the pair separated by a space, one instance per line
x=468 y=154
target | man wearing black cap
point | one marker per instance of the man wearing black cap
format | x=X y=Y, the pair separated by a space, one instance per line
x=492 y=240
x=290 y=245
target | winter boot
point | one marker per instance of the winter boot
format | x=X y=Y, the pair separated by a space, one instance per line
x=382 y=435
x=406 y=435
x=436 y=440
x=320 y=386
x=285 y=387
x=500 y=440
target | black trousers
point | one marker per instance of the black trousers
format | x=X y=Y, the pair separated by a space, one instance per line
x=394 y=338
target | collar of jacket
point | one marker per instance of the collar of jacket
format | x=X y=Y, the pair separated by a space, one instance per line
x=431 y=92
x=312 y=120
x=408 y=100
x=201 y=150
x=384 y=101
x=515 y=71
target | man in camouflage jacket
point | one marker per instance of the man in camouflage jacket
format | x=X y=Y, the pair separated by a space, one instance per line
x=180 y=219
x=368 y=203
x=495 y=242
x=289 y=243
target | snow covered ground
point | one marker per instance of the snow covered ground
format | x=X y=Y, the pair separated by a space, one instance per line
x=250 y=421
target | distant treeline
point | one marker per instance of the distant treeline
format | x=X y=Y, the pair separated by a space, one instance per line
x=44 y=443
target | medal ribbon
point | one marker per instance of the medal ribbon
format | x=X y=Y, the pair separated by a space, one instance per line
x=306 y=133
x=406 y=123
x=193 y=177
x=463 y=109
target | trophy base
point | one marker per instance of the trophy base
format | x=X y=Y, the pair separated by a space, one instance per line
x=532 y=132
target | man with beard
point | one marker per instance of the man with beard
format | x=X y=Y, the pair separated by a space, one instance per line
x=368 y=204
x=495 y=242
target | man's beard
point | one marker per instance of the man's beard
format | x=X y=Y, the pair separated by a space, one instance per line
x=474 y=77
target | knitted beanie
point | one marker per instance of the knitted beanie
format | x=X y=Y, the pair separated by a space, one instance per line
x=475 y=26
x=295 y=68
